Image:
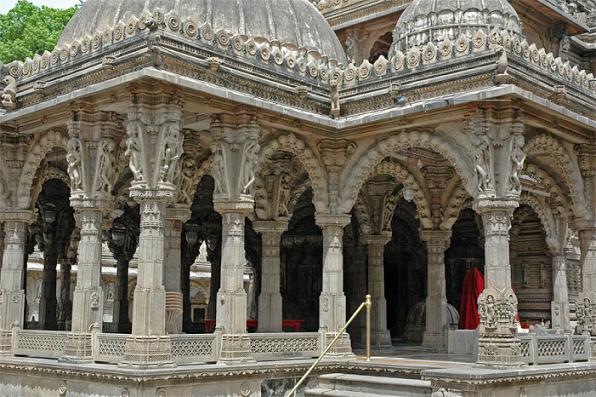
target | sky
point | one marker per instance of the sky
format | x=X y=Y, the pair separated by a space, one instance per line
x=6 y=5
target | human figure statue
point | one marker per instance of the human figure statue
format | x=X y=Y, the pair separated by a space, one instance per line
x=73 y=158
x=518 y=158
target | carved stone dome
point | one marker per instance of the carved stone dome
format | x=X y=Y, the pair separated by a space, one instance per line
x=296 y=22
x=434 y=20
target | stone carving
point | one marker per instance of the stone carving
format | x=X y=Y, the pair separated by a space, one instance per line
x=518 y=158
x=172 y=151
x=389 y=205
x=218 y=171
x=484 y=157
x=73 y=158
x=95 y=300
x=251 y=157
x=9 y=93
x=497 y=311
x=334 y=93
x=186 y=180
x=133 y=151
x=351 y=44
x=585 y=316
x=105 y=166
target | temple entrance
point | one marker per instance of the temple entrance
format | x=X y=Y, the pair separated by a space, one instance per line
x=405 y=275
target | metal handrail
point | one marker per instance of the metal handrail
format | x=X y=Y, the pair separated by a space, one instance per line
x=366 y=304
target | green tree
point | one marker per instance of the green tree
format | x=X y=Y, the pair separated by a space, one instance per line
x=27 y=30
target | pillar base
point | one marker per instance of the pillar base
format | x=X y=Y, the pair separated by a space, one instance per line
x=148 y=352
x=499 y=352
x=79 y=348
x=235 y=348
x=5 y=343
x=270 y=312
x=560 y=315
x=434 y=341
x=378 y=338
x=341 y=349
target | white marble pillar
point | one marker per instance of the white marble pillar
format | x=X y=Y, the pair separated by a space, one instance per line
x=380 y=336
x=231 y=297
x=497 y=305
x=332 y=303
x=88 y=297
x=437 y=323
x=12 y=294
x=175 y=218
x=586 y=306
x=560 y=304
x=154 y=147
x=270 y=299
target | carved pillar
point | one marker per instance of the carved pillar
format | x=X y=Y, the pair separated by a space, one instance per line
x=154 y=147
x=235 y=154
x=175 y=219
x=380 y=336
x=12 y=294
x=270 y=300
x=437 y=323
x=586 y=302
x=332 y=303
x=91 y=165
x=560 y=305
x=497 y=305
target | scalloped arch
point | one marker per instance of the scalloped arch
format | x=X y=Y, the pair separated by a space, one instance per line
x=545 y=217
x=353 y=179
x=315 y=170
x=453 y=207
x=565 y=167
x=49 y=141
x=420 y=197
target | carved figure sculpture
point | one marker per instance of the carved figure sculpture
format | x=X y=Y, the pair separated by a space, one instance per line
x=251 y=157
x=483 y=164
x=518 y=158
x=388 y=211
x=133 y=151
x=283 y=196
x=351 y=48
x=502 y=62
x=105 y=166
x=73 y=158
x=172 y=152
x=218 y=170
x=9 y=94
x=186 y=181
x=335 y=106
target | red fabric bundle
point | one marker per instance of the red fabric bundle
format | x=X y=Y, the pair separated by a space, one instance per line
x=468 y=310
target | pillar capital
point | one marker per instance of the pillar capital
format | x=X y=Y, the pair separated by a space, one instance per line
x=270 y=226
x=436 y=237
x=178 y=213
x=154 y=145
x=25 y=216
x=333 y=220
x=243 y=205
x=235 y=151
x=377 y=239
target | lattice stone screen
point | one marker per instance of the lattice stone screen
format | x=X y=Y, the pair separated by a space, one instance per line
x=275 y=346
x=39 y=344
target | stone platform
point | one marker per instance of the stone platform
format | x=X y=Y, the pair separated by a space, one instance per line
x=448 y=375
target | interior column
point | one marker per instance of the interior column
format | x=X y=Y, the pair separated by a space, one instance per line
x=380 y=336
x=270 y=299
x=437 y=323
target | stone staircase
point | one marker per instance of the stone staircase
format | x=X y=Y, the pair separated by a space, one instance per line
x=348 y=385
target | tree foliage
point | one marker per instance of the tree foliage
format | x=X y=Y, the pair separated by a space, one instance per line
x=27 y=30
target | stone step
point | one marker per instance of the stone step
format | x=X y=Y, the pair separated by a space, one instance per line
x=339 y=393
x=375 y=385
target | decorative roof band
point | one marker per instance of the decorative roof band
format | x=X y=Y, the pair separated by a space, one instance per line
x=301 y=61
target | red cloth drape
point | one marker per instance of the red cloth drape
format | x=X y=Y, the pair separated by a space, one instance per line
x=468 y=310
